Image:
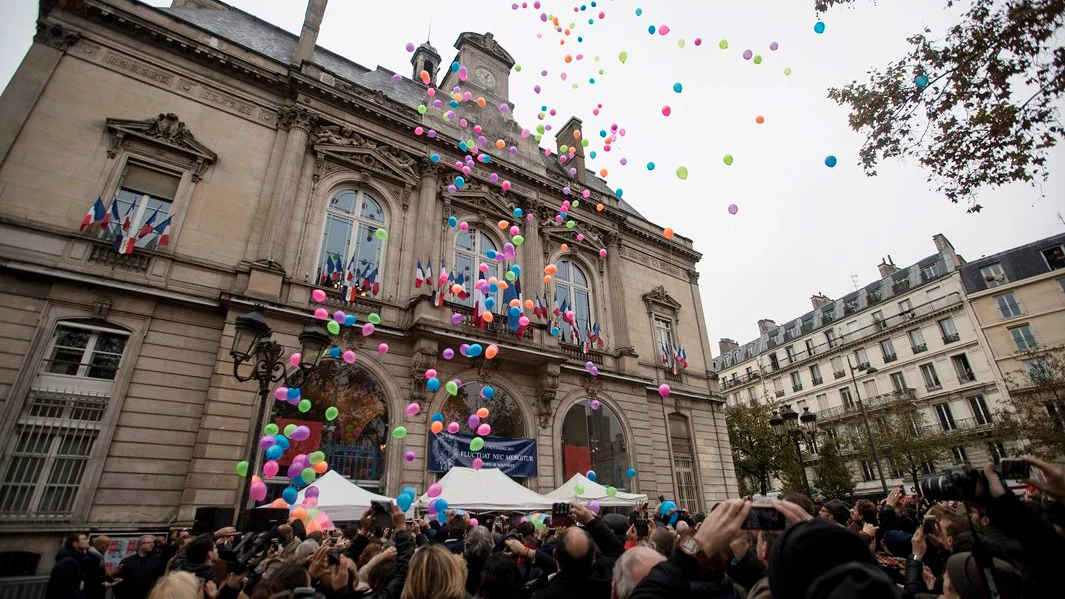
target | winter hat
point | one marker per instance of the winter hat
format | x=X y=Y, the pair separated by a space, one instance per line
x=809 y=549
x=853 y=579
x=966 y=581
x=898 y=543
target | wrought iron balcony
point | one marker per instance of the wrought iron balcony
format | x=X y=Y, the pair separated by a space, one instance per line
x=951 y=338
x=817 y=381
x=574 y=351
x=874 y=403
x=839 y=374
x=964 y=425
x=796 y=388
x=922 y=347
x=889 y=358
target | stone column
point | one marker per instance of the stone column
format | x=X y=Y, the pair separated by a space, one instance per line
x=298 y=121
x=429 y=227
x=618 y=312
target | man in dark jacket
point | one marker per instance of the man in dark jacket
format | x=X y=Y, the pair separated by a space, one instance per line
x=68 y=575
x=96 y=579
x=581 y=574
x=198 y=558
x=140 y=570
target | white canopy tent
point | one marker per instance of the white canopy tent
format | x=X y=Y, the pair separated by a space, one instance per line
x=593 y=490
x=487 y=489
x=340 y=498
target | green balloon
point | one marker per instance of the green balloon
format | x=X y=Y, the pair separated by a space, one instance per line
x=381 y=234
x=316 y=457
x=787 y=70
x=331 y=413
x=623 y=57
x=422 y=109
x=452 y=388
x=570 y=224
x=517 y=68
x=399 y=432
x=270 y=429
x=585 y=142
x=682 y=172
x=304 y=406
x=576 y=203
x=510 y=276
x=288 y=429
x=242 y=468
x=308 y=475
x=578 y=490
x=611 y=491
x=758 y=59
x=723 y=44
x=477 y=444
x=333 y=327
x=540 y=129
x=728 y=159
x=518 y=239
x=374 y=318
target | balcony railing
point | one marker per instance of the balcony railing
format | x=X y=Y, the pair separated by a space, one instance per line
x=863 y=366
x=873 y=403
x=673 y=378
x=780 y=394
x=839 y=374
x=921 y=347
x=817 y=381
x=796 y=388
x=889 y=358
x=933 y=387
x=959 y=426
x=574 y=351
x=951 y=338
x=966 y=378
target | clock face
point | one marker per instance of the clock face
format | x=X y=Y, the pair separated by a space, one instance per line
x=486 y=77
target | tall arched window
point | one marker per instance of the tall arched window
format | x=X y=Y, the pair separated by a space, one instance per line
x=573 y=288
x=350 y=259
x=504 y=415
x=594 y=440
x=471 y=247
x=355 y=442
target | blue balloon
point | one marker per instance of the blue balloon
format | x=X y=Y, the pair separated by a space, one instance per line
x=921 y=81
x=452 y=222
x=591 y=475
x=474 y=350
x=518 y=212
x=631 y=472
x=592 y=154
x=404 y=502
x=441 y=518
x=819 y=27
x=618 y=192
x=515 y=311
x=463 y=146
x=460 y=181
x=455 y=67
x=650 y=166
x=830 y=161
x=434 y=157
x=490 y=254
x=563 y=215
x=433 y=385
x=293 y=392
x=453 y=104
x=677 y=87
x=488 y=393
x=665 y=507
x=651 y=29
x=281 y=441
x=490 y=302
x=289 y=495
x=274 y=451
x=554 y=331
x=460 y=512
x=334 y=352
x=437 y=417
x=639 y=11
x=493 y=287
x=441 y=505
x=409 y=490
x=349 y=321
x=486 y=158
x=299 y=482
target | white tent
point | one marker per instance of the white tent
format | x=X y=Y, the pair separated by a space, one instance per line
x=340 y=498
x=487 y=489
x=594 y=490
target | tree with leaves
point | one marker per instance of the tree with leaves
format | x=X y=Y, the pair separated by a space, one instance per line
x=834 y=477
x=977 y=106
x=902 y=440
x=757 y=455
x=1036 y=404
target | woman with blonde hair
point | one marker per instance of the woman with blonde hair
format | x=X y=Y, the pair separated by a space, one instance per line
x=435 y=573
x=179 y=585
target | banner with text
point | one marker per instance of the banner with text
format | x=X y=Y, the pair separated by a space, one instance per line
x=515 y=457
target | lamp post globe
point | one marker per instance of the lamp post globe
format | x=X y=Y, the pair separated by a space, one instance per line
x=809 y=420
x=250 y=329
x=313 y=341
x=777 y=423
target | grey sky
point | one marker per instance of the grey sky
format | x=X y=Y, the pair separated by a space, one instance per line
x=802 y=228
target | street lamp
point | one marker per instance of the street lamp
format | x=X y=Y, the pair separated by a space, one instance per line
x=787 y=424
x=865 y=419
x=252 y=343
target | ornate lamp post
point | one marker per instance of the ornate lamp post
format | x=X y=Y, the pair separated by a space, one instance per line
x=252 y=343
x=868 y=429
x=796 y=428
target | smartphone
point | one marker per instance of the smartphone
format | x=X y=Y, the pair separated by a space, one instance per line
x=382 y=513
x=1014 y=469
x=333 y=557
x=902 y=490
x=928 y=525
x=764 y=518
x=560 y=515
x=641 y=528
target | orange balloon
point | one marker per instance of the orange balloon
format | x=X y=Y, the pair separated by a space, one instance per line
x=667 y=233
x=491 y=351
x=279 y=503
x=481 y=101
x=602 y=172
x=482 y=413
x=569 y=58
x=457 y=289
x=577 y=134
x=321 y=467
x=515 y=303
x=503 y=285
x=759 y=119
x=501 y=144
x=299 y=513
x=425 y=77
x=565 y=246
x=599 y=207
x=551 y=269
x=492 y=280
x=436 y=427
x=313 y=526
x=548 y=279
x=487 y=316
x=529 y=305
x=503 y=224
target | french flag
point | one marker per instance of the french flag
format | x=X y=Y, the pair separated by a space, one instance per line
x=419 y=275
x=163 y=231
x=96 y=214
x=111 y=214
x=148 y=227
x=129 y=230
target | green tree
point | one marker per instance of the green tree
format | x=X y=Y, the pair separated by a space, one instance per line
x=902 y=440
x=757 y=454
x=834 y=478
x=1036 y=404
x=977 y=106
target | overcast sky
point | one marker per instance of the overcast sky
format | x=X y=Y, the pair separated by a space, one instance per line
x=802 y=228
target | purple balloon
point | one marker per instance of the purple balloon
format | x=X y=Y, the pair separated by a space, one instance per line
x=294 y=469
x=267 y=441
x=733 y=209
x=473 y=421
x=773 y=46
x=456 y=318
x=463 y=348
x=312 y=492
x=747 y=54
x=593 y=506
x=409 y=456
x=302 y=433
x=594 y=404
x=449 y=353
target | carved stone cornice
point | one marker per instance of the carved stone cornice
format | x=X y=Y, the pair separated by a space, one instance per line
x=166 y=130
x=296 y=117
x=55 y=36
x=659 y=299
x=546 y=390
x=422 y=360
x=591 y=385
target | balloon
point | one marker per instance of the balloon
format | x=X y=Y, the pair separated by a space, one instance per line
x=399 y=432
x=316 y=457
x=289 y=429
x=728 y=159
x=333 y=327
x=682 y=172
x=664 y=508
x=437 y=417
x=623 y=57
x=374 y=318
x=321 y=314
x=602 y=253
x=677 y=87
x=666 y=110
x=667 y=233
x=304 y=406
x=759 y=119
x=758 y=59
x=274 y=452
x=773 y=46
x=270 y=429
x=733 y=209
x=242 y=468
x=452 y=387
x=412 y=409
x=318 y=295
x=747 y=54
x=289 y=495
x=491 y=351
x=258 y=491
x=830 y=161
x=294 y=359
x=270 y=469
x=349 y=357
x=590 y=475
x=594 y=404
x=474 y=349
x=434 y=490
x=266 y=442
x=381 y=234
x=578 y=489
x=631 y=472
x=723 y=44
x=331 y=413
x=476 y=444
x=488 y=392
x=452 y=222
x=787 y=70
x=433 y=384
x=382 y=348
x=663 y=390
x=367 y=329
x=441 y=505
x=299 y=513
x=409 y=456
x=819 y=27
x=477 y=463
x=448 y=353
x=611 y=492
x=404 y=502
x=339 y=316
x=349 y=321
x=453 y=427
x=473 y=421
x=921 y=81
x=302 y=433
x=437 y=427
x=484 y=429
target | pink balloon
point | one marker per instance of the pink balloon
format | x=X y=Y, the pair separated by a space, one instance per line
x=434 y=490
x=477 y=463
x=281 y=394
x=258 y=491
x=430 y=374
x=412 y=409
x=465 y=226
x=349 y=357
x=367 y=329
x=453 y=428
x=484 y=429
x=270 y=469
x=318 y=295
x=321 y=314
x=382 y=349
x=602 y=253
x=663 y=390
x=294 y=359
x=733 y=209
x=666 y=110
x=474 y=522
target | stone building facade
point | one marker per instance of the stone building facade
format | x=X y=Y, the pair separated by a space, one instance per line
x=120 y=409
x=910 y=336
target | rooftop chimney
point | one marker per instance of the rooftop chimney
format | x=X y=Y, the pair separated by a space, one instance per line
x=946 y=249
x=887 y=267
x=819 y=299
x=726 y=345
x=565 y=138
x=312 y=23
x=765 y=325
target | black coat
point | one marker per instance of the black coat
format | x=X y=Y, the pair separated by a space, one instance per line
x=593 y=585
x=138 y=574
x=67 y=580
x=669 y=579
x=95 y=575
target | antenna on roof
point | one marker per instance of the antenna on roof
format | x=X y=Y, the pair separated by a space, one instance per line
x=854 y=281
x=429 y=34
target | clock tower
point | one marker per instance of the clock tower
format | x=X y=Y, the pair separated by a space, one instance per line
x=488 y=67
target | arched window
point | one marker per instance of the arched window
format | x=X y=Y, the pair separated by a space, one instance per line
x=683 y=462
x=471 y=247
x=355 y=442
x=504 y=415
x=573 y=292
x=594 y=440
x=350 y=258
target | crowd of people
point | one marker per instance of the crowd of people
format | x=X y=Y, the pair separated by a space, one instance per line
x=988 y=544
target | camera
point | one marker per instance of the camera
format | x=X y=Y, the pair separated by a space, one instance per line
x=967 y=483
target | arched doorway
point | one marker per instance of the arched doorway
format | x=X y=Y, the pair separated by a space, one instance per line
x=593 y=439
